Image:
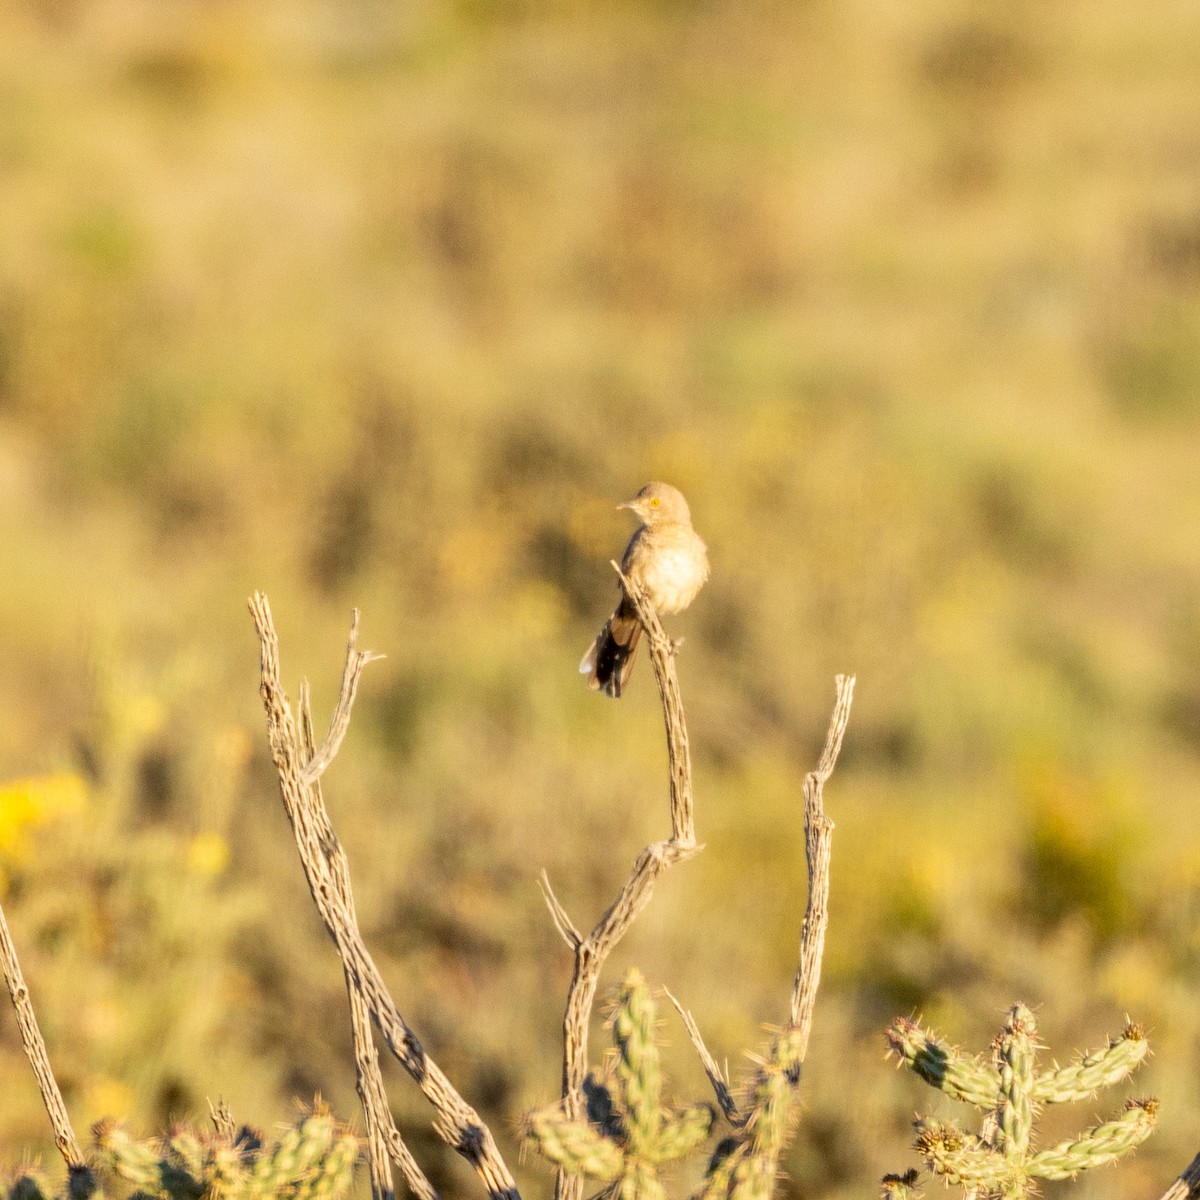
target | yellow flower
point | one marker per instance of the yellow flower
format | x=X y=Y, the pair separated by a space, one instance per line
x=32 y=801
x=208 y=854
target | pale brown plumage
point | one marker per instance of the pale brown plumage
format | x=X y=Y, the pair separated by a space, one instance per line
x=667 y=558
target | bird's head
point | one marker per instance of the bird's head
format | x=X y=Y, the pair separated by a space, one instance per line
x=658 y=502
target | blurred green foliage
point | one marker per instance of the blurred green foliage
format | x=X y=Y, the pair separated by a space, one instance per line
x=388 y=305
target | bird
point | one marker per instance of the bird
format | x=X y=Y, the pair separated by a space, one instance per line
x=667 y=558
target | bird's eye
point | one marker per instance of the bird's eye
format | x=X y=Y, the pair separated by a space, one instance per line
x=654 y=502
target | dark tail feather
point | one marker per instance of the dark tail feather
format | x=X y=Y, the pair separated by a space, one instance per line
x=610 y=657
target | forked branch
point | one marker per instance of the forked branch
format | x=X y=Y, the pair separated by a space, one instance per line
x=328 y=877
x=383 y=1141
x=591 y=952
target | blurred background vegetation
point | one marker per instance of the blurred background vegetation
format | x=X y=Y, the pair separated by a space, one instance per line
x=387 y=305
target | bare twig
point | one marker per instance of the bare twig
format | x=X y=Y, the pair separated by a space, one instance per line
x=592 y=951
x=1187 y=1186
x=679 y=757
x=720 y=1084
x=319 y=760
x=222 y=1119
x=325 y=869
x=818 y=838
x=562 y=922
x=35 y=1051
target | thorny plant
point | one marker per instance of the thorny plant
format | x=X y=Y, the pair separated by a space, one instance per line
x=1001 y=1160
x=639 y=1132
x=300 y=763
x=313 y=1159
x=627 y=1134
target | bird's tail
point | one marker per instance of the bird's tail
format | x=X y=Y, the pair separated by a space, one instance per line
x=610 y=657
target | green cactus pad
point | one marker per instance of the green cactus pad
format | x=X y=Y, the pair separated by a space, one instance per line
x=311 y=1160
x=960 y=1076
x=639 y=1064
x=1099 y=1069
x=1014 y=1063
x=1099 y=1146
x=576 y=1146
x=627 y=1133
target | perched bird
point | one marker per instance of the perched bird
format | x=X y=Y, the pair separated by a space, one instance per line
x=668 y=559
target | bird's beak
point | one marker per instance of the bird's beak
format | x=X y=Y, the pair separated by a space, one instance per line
x=631 y=504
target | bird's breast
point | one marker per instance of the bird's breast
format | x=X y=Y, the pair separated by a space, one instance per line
x=675 y=573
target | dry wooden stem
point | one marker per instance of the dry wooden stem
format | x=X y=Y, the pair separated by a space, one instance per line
x=222 y=1119
x=339 y=723
x=818 y=839
x=718 y=1078
x=1187 y=1186
x=679 y=756
x=382 y=1134
x=562 y=922
x=327 y=873
x=35 y=1051
x=591 y=952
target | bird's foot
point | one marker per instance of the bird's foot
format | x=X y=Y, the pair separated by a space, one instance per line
x=675 y=643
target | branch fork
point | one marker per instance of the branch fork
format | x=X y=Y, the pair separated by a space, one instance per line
x=300 y=765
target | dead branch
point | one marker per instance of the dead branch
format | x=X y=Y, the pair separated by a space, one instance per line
x=679 y=757
x=1187 y=1186
x=818 y=839
x=328 y=877
x=222 y=1119
x=591 y=952
x=383 y=1139
x=562 y=922
x=717 y=1077
x=339 y=723
x=35 y=1051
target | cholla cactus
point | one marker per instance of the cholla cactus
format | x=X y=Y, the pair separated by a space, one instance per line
x=312 y=1160
x=27 y=1183
x=1000 y=1160
x=900 y=1187
x=627 y=1135
x=745 y=1166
